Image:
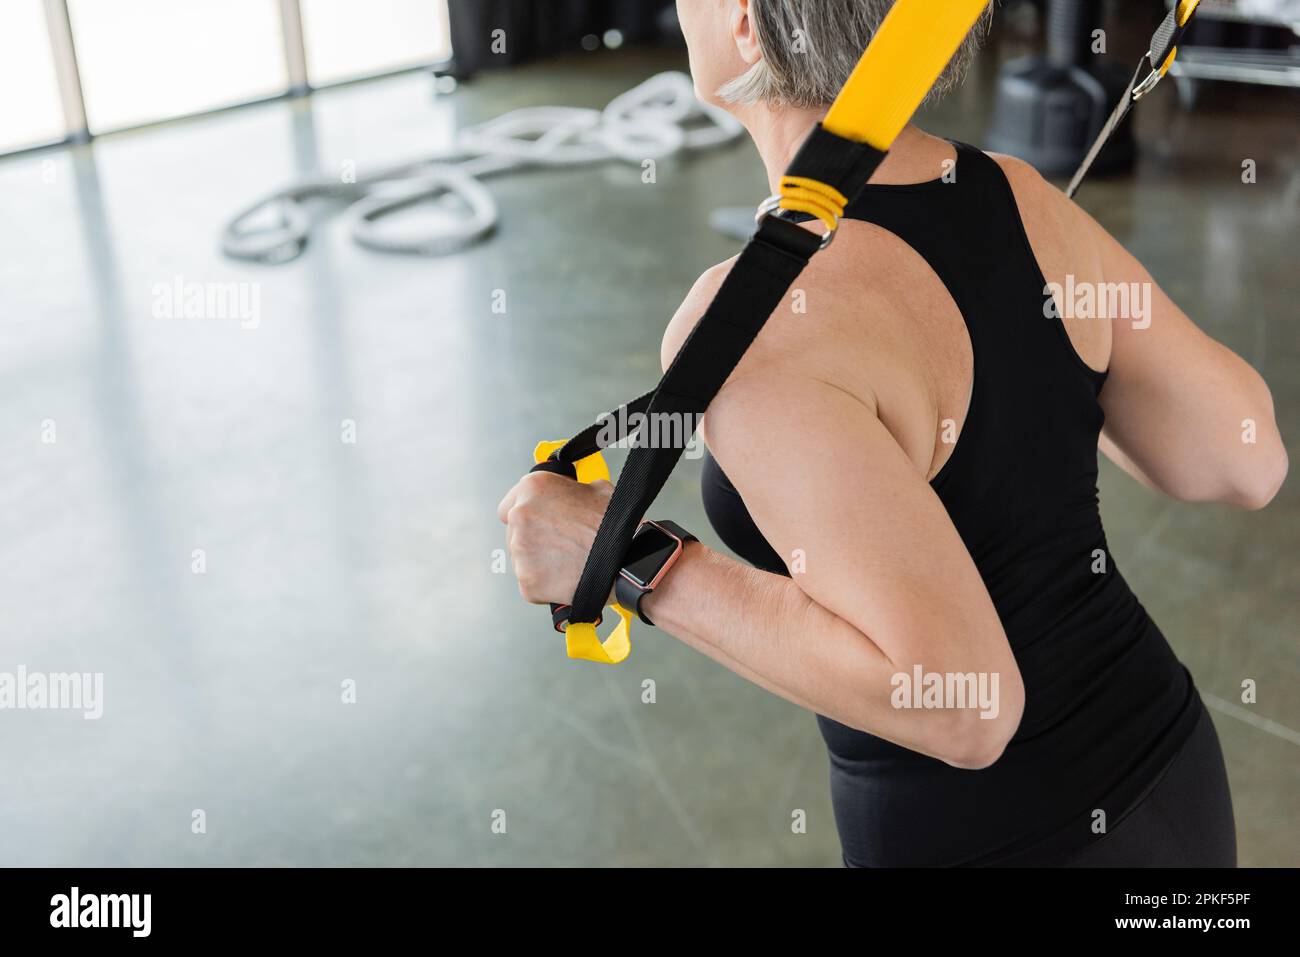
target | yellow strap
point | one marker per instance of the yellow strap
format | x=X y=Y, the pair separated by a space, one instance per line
x=1169 y=61
x=813 y=197
x=591 y=469
x=581 y=640
x=580 y=637
x=1184 y=13
x=1185 y=10
x=905 y=57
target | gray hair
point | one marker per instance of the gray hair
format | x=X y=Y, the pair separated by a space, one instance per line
x=811 y=46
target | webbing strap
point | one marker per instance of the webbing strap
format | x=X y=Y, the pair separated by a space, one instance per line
x=910 y=49
x=1164 y=42
x=906 y=56
x=1159 y=57
x=751 y=292
x=614 y=426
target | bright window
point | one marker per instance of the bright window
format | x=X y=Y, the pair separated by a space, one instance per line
x=30 y=110
x=346 y=39
x=145 y=60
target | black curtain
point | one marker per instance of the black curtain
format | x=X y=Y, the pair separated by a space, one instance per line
x=539 y=28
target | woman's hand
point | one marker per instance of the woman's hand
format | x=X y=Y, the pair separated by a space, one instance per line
x=551 y=522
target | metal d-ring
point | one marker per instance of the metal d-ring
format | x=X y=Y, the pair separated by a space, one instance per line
x=773 y=203
x=1148 y=82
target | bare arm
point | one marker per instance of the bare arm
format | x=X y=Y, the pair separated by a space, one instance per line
x=887 y=582
x=1184 y=414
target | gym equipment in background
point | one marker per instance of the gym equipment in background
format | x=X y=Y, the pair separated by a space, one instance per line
x=1160 y=56
x=1050 y=107
x=499 y=33
x=654 y=120
x=1240 y=41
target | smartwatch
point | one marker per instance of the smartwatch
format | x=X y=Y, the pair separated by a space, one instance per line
x=655 y=548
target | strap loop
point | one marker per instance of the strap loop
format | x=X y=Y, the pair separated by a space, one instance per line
x=804 y=195
x=773 y=203
x=590 y=468
x=582 y=642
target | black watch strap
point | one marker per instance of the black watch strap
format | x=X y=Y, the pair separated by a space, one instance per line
x=629 y=595
x=676 y=529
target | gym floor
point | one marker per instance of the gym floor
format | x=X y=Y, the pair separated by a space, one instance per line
x=376 y=561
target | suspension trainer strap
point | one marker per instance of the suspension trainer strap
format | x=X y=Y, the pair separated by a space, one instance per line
x=612 y=426
x=1159 y=57
x=751 y=292
x=908 y=52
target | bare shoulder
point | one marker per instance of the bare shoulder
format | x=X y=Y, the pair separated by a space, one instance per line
x=1041 y=204
x=1065 y=239
x=841 y=298
x=1019 y=172
x=1058 y=228
x=837 y=336
x=1029 y=185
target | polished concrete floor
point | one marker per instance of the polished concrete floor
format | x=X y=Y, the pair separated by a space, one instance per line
x=374 y=562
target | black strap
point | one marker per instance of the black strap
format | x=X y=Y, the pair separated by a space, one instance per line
x=567 y=469
x=1103 y=137
x=1167 y=36
x=1163 y=41
x=755 y=287
x=587 y=442
x=630 y=597
x=831 y=159
x=835 y=161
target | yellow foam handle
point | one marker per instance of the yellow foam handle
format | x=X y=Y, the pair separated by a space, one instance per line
x=582 y=642
x=580 y=637
x=905 y=57
x=591 y=469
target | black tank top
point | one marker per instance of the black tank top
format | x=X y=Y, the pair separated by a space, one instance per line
x=1107 y=705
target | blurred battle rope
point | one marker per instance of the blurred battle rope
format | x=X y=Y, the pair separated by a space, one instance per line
x=654 y=120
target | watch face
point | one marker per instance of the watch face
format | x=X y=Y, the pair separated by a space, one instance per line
x=650 y=551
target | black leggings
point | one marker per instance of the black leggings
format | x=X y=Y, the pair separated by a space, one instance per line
x=1184 y=821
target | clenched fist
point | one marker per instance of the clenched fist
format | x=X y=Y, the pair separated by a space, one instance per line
x=551 y=522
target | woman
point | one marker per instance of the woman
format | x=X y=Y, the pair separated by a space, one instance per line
x=910 y=461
